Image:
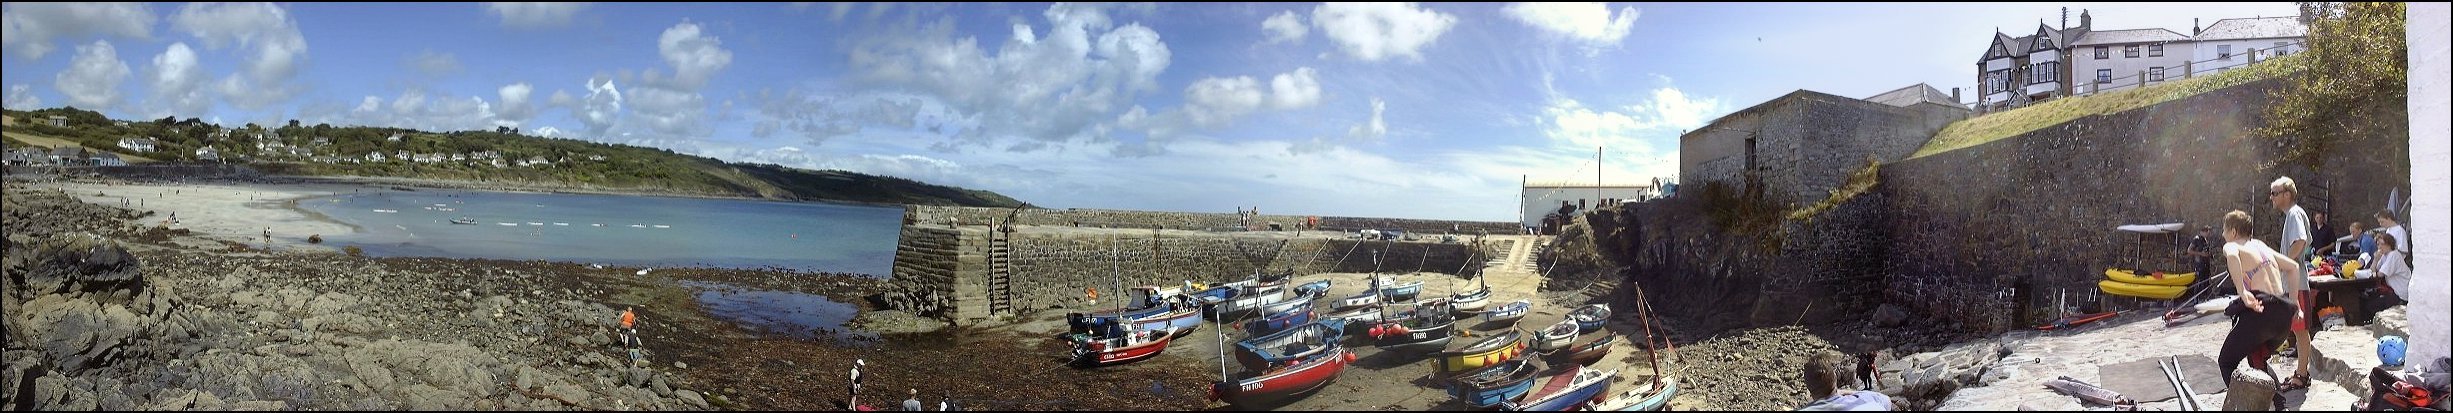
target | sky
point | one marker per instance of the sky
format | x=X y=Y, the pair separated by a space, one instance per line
x=1431 y=111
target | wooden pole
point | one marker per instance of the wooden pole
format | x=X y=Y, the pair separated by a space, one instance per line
x=1643 y=314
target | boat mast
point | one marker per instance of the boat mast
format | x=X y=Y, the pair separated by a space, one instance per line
x=1641 y=313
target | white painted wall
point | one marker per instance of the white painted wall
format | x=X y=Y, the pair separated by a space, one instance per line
x=2205 y=52
x=2125 y=69
x=1540 y=201
x=2431 y=146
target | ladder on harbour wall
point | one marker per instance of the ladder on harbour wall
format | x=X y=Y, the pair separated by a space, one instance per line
x=1000 y=274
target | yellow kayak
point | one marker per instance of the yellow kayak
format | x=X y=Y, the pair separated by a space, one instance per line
x=2159 y=292
x=2168 y=278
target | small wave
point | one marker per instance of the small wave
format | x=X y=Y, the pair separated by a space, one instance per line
x=536 y=223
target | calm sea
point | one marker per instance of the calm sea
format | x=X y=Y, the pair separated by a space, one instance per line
x=617 y=230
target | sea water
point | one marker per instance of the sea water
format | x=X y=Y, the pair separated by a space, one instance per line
x=617 y=230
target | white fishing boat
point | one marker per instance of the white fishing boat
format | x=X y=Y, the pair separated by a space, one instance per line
x=388 y=211
x=663 y=226
x=637 y=226
x=536 y=224
x=562 y=224
x=507 y=224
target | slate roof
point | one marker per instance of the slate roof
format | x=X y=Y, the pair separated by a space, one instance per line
x=2107 y=37
x=2254 y=28
x=1908 y=96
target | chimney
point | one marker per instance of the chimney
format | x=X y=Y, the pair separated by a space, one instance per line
x=2194 y=28
x=2085 y=21
x=1954 y=95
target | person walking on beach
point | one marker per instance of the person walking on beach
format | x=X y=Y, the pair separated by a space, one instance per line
x=2294 y=284
x=630 y=333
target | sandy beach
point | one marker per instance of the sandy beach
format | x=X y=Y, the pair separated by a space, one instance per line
x=231 y=212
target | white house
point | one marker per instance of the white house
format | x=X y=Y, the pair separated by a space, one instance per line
x=2230 y=43
x=208 y=154
x=137 y=144
x=1541 y=199
x=57 y=120
x=376 y=156
x=2108 y=59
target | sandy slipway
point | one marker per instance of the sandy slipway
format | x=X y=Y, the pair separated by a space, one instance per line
x=105 y=312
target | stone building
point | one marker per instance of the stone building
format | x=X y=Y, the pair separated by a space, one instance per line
x=1803 y=144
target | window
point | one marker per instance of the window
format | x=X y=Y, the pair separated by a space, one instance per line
x=2103 y=52
x=2103 y=75
x=2155 y=74
x=2154 y=50
x=2223 y=52
x=2130 y=51
x=2282 y=49
x=2044 y=73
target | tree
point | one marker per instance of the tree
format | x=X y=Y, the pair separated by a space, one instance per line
x=2357 y=75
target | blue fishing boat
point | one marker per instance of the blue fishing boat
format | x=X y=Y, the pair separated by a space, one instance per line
x=1289 y=346
x=1390 y=291
x=1591 y=317
x=1315 y=288
x=1280 y=321
x=1567 y=390
x=1493 y=385
x=1508 y=313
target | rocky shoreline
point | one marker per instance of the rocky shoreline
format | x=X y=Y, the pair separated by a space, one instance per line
x=105 y=312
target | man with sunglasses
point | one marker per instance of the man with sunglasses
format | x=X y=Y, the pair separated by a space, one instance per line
x=2285 y=196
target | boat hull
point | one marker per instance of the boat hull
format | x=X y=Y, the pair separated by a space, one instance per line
x=1580 y=388
x=1402 y=292
x=1590 y=317
x=1279 y=322
x=1491 y=386
x=1557 y=336
x=1472 y=302
x=1368 y=298
x=1642 y=399
x=1510 y=312
x=1086 y=355
x=1488 y=352
x=1585 y=353
x=1284 y=384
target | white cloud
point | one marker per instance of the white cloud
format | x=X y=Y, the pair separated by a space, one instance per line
x=1375 y=128
x=599 y=109
x=1673 y=109
x=1295 y=90
x=274 y=49
x=516 y=107
x=1058 y=86
x=1215 y=101
x=1570 y=123
x=413 y=109
x=1592 y=23
x=434 y=64
x=178 y=83
x=92 y=78
x=21 y=97
x=1286 y=26
x=695 y=56
x=1376 y=31
x=670 y=112
x=535 y=15
x=29 y=28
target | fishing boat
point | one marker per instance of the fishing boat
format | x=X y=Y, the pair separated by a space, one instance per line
x=1368 y=298
x=562 y=224
x=1289 y=346
x=1585 y=353
x=1486 y=352
x=1315 y=288
x=1139 y=303
x=1427 y=327
x=1648 y=396
x=1590 y=317
x=1493 y=385
x=507 y=224
x=388 y=211
x=465 y=221
x=1472 y=301
x=1303 y=298
x=660 y=226
x=1174 y=318
x=1555 y=337
x=1115 y=344
x=1280 y=384
x=1357 y=318
x=1239 y=300
x=1508 y=313
x=1567 y=390
x=1280 y=321
x=1405 y=291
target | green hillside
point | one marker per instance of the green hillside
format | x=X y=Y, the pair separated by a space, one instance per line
x=495 y=157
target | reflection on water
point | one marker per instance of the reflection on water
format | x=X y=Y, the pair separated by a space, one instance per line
x=804 y=316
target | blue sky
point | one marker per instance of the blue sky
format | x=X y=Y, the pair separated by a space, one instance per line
x=1391 y=109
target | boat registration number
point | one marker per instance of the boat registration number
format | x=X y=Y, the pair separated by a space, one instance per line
x=1252 y=386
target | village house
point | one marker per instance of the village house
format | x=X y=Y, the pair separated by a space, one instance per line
x=141 y=145
x=2110 y=59
x=2231 y=43
x=100 y=158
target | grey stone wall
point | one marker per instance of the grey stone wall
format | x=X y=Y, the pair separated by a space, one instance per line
x=1108 y=218
x=1808 y=142
x=1986 y=235
x=945 y=273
